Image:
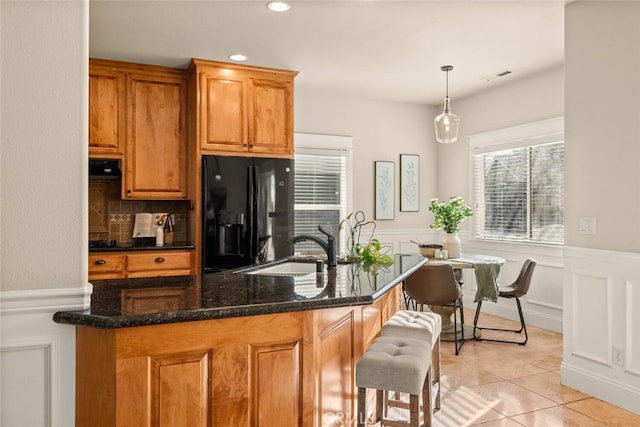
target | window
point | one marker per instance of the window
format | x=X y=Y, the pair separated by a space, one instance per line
x=518 y=176
x=322 y=187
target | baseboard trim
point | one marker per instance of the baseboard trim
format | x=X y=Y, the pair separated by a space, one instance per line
x=539 y=320
x=601 y=387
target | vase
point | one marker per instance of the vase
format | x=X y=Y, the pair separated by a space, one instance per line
x=452 y=244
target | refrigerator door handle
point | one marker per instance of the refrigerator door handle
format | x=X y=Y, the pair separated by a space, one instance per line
x=252 y=215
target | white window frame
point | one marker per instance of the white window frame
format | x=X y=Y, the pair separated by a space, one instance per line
x=534 y=133
x=311 y=143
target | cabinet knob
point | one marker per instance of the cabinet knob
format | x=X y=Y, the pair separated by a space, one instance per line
x=159 y=259
x=101 y=262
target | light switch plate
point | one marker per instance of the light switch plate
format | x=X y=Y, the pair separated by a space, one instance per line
x=587 y=225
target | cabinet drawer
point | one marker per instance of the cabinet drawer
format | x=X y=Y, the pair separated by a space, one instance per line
x=159 y=263
x=106 y=265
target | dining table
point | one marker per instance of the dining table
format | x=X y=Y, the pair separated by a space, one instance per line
x=486 y=269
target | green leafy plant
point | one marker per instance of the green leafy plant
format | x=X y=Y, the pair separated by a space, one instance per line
x=448 y=216
x=370 y=253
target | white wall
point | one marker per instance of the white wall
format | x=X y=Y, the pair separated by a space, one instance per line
x=602 y=142
x=44 y=154
x=43 y=238
x=380 y=131
x=603 y=123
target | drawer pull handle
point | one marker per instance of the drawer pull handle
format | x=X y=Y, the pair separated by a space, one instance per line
x=101 y=262
x=159 y=259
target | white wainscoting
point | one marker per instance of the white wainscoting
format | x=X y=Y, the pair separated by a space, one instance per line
x=602 y=319
x=542 y=306
x=37 y=357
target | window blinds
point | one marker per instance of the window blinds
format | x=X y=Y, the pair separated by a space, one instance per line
x=320 y=195
x=519 y=194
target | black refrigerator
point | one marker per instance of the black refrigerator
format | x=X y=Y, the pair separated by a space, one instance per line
x=247 y=211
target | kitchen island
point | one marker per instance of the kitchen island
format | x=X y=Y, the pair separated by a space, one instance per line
x=230 y=348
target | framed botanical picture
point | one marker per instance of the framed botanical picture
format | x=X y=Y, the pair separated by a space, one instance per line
x=385 y=190
x=409 y=183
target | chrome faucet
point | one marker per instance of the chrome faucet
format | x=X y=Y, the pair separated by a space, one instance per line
x=329 y=246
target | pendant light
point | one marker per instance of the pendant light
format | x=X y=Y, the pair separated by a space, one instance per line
x=447 y=123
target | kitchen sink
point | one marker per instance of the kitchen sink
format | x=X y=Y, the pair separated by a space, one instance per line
x=288 y=268
x=284 y=269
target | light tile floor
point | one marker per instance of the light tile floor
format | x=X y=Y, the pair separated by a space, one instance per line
x=493 y=384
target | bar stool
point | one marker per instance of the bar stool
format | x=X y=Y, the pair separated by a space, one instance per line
x=395 y=364
x=425 y=326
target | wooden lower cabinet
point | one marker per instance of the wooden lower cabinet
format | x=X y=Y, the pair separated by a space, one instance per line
x=120 y=265
x=288 y=369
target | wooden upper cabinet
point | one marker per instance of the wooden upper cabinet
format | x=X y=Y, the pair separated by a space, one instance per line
x=242 y=110
x=156 y=146
x=224 y=111
x=271 y=113
x=106 y=112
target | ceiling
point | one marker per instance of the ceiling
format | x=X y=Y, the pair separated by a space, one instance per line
x=386 y=50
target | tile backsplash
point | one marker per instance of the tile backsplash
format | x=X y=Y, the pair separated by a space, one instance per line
x=111 y=218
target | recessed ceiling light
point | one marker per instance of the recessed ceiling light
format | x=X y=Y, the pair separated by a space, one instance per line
x=238 y=57
x=278 y=6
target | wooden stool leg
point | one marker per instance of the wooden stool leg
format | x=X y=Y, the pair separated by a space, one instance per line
x=379 y=405
x=362 y=407
x=435 y=365
x=414 y=412
x=427 y=410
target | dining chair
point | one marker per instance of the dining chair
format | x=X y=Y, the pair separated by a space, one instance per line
x=516 y=290
x=436 y=285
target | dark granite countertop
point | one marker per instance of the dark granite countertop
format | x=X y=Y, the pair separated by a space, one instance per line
x=143 y=247
x=120 y=303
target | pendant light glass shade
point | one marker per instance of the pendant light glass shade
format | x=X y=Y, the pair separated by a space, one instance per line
x=447 y=123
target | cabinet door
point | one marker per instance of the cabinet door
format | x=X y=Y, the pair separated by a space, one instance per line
x=223 y=113
x=106 y=112
x=156 y=155
x=164 y=390
x=271 y=127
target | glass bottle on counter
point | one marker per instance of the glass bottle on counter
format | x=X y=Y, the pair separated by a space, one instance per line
x=159 y=236
x=168 y=230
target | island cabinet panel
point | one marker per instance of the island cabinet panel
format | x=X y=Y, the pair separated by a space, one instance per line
x=96 y=376
x=284 y=369
x=180 y=390
x=336 y=354
x=133 y=393
x=276 y=378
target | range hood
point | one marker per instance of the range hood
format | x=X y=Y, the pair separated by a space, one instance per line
x=99 y=168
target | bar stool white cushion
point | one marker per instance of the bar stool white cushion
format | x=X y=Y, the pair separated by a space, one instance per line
x=394 y=364
x=422 y=325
